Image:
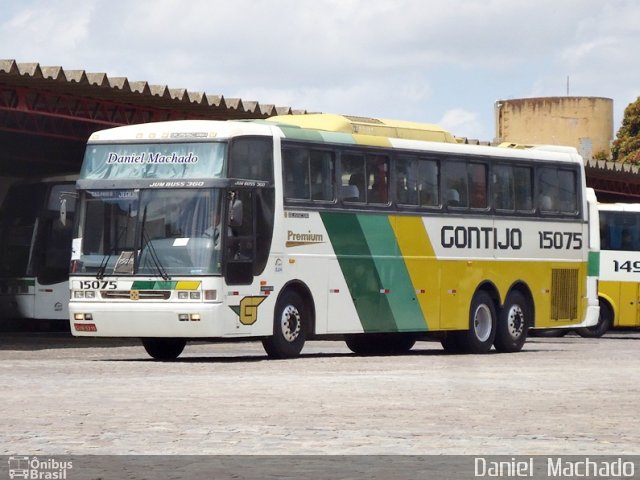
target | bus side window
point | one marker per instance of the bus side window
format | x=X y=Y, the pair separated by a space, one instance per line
x=455 y=188
x=295 y=171
x=477 y=173
x=378 y=179
x=251 y=158
x=321 y=175
x=503 y=191
x=523 y=185
x=605 y=242
x=547 y=189
x=567 y=196
x=428 y=183
x=406 y=185
x=353 y=179
x=557 y=191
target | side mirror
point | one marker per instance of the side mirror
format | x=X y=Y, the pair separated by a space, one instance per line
x=63 y=211
x=235 y=212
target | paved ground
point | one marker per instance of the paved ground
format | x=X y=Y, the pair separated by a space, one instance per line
x=62 y=395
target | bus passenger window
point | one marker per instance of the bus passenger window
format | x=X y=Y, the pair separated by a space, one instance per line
x=455 y=184
x=478 y=185
x=557 y=191
x=567 y=196
x=503 y=191
x=378 y=179
x=295 y=166
x=428 y=183
x=523 y=185
x=547 y=189
x=405 y=181
x=353 y=184
x=321 y=175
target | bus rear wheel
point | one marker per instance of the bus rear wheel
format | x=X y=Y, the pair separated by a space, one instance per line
x=289 y=327
x=513 y=325
x=482 y=325
x=164 y=348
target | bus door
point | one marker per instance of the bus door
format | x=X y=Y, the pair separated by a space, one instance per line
x=239 y=259
x=629 y=305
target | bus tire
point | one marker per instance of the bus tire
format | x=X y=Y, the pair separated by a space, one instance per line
x=164 y=348
x=482 y=325
x=513 y=324
x=289 y=327
x=600 y=328
x=380 y=343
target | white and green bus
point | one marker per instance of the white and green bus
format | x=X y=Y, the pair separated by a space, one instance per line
x=377 y=232
x=35 y=248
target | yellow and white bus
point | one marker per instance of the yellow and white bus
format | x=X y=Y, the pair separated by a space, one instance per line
x=324 y=226
x=619 y=282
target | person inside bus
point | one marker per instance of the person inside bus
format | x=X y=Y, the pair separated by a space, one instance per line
x=378 y=191
x=627 y=240
x=214 y=230
x=453 y=198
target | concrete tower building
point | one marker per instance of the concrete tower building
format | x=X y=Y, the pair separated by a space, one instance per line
x=582 y=122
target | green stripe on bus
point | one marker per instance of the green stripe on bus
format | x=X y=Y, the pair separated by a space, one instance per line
x=360 y=272
x=152 y=285
x=394 y=273
x=338 y=137
x=593 y=269
x=296 y=133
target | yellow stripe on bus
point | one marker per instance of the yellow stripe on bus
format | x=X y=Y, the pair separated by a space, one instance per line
x=187 y=285
x=422 y=265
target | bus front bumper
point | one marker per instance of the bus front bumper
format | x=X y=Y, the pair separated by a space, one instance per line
x=201 y=320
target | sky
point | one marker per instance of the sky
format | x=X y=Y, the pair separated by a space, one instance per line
x=444 y=62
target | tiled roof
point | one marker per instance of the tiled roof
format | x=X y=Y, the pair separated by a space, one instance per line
x=121 y=89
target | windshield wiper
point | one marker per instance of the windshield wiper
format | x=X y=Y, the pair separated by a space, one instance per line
x=145 y=242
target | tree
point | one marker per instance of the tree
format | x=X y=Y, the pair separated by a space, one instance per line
x=626 y=147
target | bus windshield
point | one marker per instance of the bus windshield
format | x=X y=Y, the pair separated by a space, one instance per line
x=157 y=160
x=33 y=242
x=149 y=232
x=17 y=224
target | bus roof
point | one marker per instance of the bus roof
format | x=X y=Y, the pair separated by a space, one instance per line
x=366 y=126
x=181 y=130
x=333 y=132
x=546 y=148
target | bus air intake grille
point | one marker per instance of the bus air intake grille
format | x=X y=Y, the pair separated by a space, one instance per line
x=564 y=294
x=141 y=295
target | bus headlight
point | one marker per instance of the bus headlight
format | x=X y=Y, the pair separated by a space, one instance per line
x=84 y=294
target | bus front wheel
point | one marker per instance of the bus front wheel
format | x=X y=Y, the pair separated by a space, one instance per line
x=164 y=348
x=511 y=332
x=289 y=323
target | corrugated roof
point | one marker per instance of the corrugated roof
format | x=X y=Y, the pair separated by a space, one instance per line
x=121 y=89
